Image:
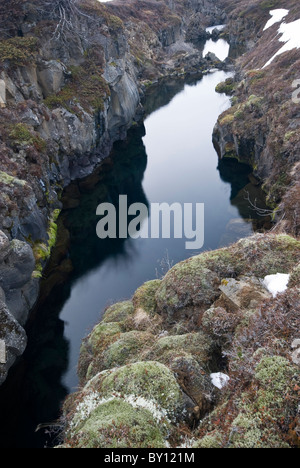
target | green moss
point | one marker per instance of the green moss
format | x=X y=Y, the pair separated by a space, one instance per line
x=289 y=135
x=21 y=133
x=189 y=283
x=275 y=374
x=127 y=349
x=262 y=413
x=117 y=424
x=150 y=380
x=254 y=101
x=226 y=87
x=249 y=432
x=166 y=349
x=227 y=119
x=115 y=23
x=18 y=50
x=144 y=297
x=118 y=312
x=87 y=88
x=41 y=250
x=7 y=179
x=101 y=333
x=211 y=441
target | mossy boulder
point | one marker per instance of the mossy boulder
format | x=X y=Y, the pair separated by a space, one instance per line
x=220 y=324
x=102 y=333
x=188 y=284
x=93 y=347
x=263 y=255
x=127 y=348
x=117 y=424
x=118 y=312
x=149 y=380
x=166 y=349
x=144 y=298
x=194 y=283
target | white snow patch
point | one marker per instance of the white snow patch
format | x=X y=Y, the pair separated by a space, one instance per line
x=277 y=283
x=290 y=36
x=219 y=380
x=277 y=16
x=219 y=27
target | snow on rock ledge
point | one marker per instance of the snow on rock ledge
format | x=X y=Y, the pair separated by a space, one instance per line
x=277 y=16
x=290 y=36
x=277 y=283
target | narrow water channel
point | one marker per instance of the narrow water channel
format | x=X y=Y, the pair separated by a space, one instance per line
x=169 y=159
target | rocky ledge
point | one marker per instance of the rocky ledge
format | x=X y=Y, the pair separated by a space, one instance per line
x=206 y=357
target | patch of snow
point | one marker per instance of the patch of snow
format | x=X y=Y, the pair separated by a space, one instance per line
x=219 y=27
x=290 y=36
x=219 y=380
x=276 y=283
x=277 y=16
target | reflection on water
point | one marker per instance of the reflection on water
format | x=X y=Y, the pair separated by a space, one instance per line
x=171 y=160
x=220 y=48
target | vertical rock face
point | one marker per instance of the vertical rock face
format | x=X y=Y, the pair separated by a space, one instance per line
x=18 y=292
x=2 y=94
x=18 y=289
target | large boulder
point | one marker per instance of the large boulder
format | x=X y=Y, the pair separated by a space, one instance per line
x=132 y=406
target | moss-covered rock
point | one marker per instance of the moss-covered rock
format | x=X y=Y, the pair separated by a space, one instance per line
x=166 y=349
x=188 y=284
x=118 y=312
x=150 y=380
x=144 y=298
x=117 y=424
x=196 y=281
x=93 y=348
x=127 y=349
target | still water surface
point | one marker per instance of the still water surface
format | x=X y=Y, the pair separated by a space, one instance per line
x=181 y=166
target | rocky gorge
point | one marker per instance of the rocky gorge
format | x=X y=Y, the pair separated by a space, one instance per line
x=70 y=87
x=73 y=75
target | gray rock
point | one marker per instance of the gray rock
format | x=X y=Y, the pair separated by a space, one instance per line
x=245 y=293
x=14 y=338
x=50 y=76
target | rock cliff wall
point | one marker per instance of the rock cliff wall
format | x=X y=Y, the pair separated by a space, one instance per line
x=262 y=126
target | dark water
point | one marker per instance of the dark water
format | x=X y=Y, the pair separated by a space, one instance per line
x=170 y=159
